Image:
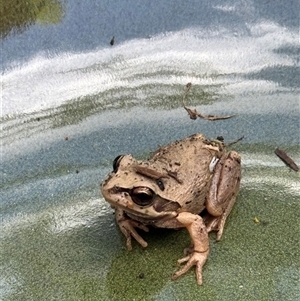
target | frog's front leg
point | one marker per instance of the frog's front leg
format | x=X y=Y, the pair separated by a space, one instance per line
x=199 y=236
x=127 y=227
x=223 y=191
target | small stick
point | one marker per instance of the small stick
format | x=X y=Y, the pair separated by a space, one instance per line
x=220 y=141
x=286 y=159
x=235 y=141
x=194 y=114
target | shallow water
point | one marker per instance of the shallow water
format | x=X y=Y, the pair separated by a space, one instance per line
x=71 y=103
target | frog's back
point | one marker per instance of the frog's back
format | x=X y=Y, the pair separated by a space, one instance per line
x=189 y=161
x=178 y=149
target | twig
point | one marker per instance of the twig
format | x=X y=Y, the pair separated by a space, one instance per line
x=286 y=159
x=194 y=113
x=234 y=142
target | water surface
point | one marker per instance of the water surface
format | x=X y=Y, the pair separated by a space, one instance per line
x=71 y=103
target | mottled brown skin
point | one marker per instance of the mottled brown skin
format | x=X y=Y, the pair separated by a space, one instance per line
x=172 y=188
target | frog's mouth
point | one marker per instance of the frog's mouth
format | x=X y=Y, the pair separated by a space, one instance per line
x=142 y=199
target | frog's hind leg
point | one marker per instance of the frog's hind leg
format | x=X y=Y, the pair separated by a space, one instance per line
x=214 y=223
x=223 y=192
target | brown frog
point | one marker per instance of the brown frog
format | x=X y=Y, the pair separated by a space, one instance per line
x=180 y=180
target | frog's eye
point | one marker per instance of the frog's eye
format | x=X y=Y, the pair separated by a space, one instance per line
x=116 y=162
x=142 y=196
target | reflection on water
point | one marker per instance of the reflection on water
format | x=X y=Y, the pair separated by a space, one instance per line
x=17 y=15
x=149 y=68
x=67 y=114
x=286 y=76
x=253 y=73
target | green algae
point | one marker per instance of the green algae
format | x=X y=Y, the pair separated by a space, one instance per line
x=257 y=258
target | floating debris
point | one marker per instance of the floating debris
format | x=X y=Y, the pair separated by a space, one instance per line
x=194 y=114
x=112 y=41
x=286 y=159
x=234 y=142
x=256 y=220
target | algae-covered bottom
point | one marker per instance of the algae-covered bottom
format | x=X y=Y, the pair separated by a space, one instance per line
x=72 y=249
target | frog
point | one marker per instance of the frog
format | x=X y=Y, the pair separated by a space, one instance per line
x=191 y=183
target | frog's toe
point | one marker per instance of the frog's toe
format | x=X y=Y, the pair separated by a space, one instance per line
x=215 y=224
x=219 y=234
x=128 y=229
x=196 y=258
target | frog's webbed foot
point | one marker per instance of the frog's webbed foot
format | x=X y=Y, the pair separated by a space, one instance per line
x=200 y=251
x=127 y=227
